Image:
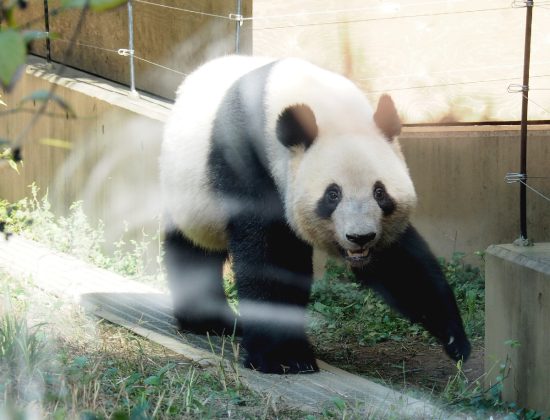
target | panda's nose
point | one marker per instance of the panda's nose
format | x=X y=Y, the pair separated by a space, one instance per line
x=361 y=240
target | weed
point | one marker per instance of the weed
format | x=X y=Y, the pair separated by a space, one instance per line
x=342 y=310
x=468 y=284
x=74 y=234
x=51 y=371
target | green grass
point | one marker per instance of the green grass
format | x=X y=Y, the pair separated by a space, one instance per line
x=344 y=309
x=75 y=366
x=76 y=235
x=103 y=371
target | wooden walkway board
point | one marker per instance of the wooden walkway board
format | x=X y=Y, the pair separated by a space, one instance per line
x=148 y=313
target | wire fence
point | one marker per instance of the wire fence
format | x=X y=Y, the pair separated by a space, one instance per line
x=332 y=16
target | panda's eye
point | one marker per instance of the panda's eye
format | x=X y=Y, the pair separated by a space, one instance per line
x=379 y=193
x=333 y=195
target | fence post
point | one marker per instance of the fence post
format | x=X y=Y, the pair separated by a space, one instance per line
x=523 y=239
x=238 y=24
x=133 y=91
x=47 y=29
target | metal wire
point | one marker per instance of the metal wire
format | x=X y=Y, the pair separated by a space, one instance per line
x=513 y=177
x=535 y=191
x=184 y=10
x=383 y=18
x=160 y=65
x=123 y=52
x=536 y=104
x=350 y=10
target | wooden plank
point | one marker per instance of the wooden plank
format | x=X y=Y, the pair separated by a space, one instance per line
x=147 y=312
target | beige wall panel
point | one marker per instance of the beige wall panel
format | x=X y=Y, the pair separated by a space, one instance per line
x=467 y=51
x=464 y=203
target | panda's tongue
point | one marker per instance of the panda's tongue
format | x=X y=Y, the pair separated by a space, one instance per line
x=358 y=254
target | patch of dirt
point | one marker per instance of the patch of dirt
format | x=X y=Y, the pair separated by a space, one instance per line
x=406 y=363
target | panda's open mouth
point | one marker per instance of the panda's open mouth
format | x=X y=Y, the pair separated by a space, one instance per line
x=357 y=258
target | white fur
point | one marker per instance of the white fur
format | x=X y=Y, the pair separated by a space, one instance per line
x=190 y=204
x=350 y=150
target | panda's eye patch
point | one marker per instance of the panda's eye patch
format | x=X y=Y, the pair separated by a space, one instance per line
x=329 y=201
x=384 y=200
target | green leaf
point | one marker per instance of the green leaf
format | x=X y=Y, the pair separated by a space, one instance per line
x=13 y=51
x=45 y=96
x=96 y=5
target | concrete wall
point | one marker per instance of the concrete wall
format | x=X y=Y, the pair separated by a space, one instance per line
x=111 y=163
x=517 y=319
x=464 y=203
x=107 y=157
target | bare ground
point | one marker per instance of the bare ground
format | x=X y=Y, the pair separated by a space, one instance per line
x=407 y=363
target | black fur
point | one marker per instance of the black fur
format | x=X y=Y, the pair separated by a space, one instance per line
x=274 y=274
x=386 y=202
x=327 y=203
x=195 y=275
x=273 y=268
x=296 y=126
x=409 y=277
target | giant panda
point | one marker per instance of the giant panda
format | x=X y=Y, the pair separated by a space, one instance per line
x=263 y=160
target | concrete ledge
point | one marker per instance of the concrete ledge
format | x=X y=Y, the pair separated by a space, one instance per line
x=517 y=322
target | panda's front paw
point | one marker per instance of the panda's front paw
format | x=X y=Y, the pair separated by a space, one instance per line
x=282 y=358
x=458 y=348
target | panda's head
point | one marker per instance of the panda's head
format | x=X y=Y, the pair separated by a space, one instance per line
x=348 y=191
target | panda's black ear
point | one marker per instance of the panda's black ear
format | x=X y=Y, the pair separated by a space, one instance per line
x=297 y=126
x=386 y=117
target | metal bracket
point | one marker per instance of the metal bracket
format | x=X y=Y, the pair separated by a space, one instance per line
x=515 y=88
x=523 y=3
x=236 y=17
x=125 y=52
x=512 y=177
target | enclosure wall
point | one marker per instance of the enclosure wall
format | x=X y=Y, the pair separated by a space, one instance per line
x=108 y=158
x=517 y=315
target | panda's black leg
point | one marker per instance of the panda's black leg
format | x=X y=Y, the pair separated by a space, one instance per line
x=195 y=280
x=409 y=277
x=273 y=270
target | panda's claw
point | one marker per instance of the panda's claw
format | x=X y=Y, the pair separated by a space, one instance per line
x=272 y=365
x=458 y=348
